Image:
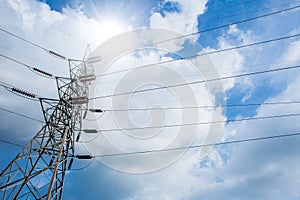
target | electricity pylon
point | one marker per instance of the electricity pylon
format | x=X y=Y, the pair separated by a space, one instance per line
x=38 y=171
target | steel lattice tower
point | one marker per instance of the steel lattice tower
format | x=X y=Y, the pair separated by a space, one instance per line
x=38 y=171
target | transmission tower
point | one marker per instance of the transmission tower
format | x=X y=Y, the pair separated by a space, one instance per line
x=38 y=171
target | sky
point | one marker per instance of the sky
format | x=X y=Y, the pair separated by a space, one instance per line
x=127 y=35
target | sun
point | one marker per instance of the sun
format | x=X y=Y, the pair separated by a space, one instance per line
x=107 y=29
x=111 y=19
x=111 y=28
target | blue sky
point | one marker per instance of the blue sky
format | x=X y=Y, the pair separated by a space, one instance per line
x=253 y=170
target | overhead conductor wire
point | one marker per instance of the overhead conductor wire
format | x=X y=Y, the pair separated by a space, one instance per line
x=211 y=29
x=53 y=53
x=200 y=81
x=196 y=123
x=202 y=54
x=200 y=145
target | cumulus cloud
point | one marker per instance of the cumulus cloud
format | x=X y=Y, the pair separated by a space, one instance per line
x=229 y=63
x=66 y=33
x=183 y=19
x=243 y=171
x=260 y=169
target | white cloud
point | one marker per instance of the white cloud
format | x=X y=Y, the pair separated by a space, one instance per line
x=258 y=170
x=261 y=169
x=64 y=33
x=243 y=171
x=229 y=63
x=190 y=9
x=293 y=52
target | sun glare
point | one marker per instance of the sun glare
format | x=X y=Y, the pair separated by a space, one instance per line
x=111 y=20
x=109 y=28
x=112 y=27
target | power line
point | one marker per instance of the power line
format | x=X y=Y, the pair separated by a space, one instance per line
x=229 y=24
x=202 y=123
x=204 y=106
x=171 y=108
x=21 y=53
x=206 y=12
x=19 y=92
x=227 y=16
x=24 y=93
x=38 y=71
x=21 y=115
x=219 y=27
x=2 y=84
x=23 y=39
x=201 y=81
x=11 y=143
x=203 y=54
x=201 y=145
x=224 y=69
x=53 y=53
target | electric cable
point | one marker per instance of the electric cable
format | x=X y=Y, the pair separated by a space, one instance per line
x=19 y=92
x=228 y=16
x=200 y=145
x=36 y=70
x=201 y=123
x=204 y=106
x=203 y=54
x=23 y=39
x=11 y=143
x=193 y=74
x=23 y=93
x=21 y=53
x=200 y=81
x=229 y=24
x=53 y=53
x=21 y=115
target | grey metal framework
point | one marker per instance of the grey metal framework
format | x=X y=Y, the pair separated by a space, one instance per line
x=38 y=171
